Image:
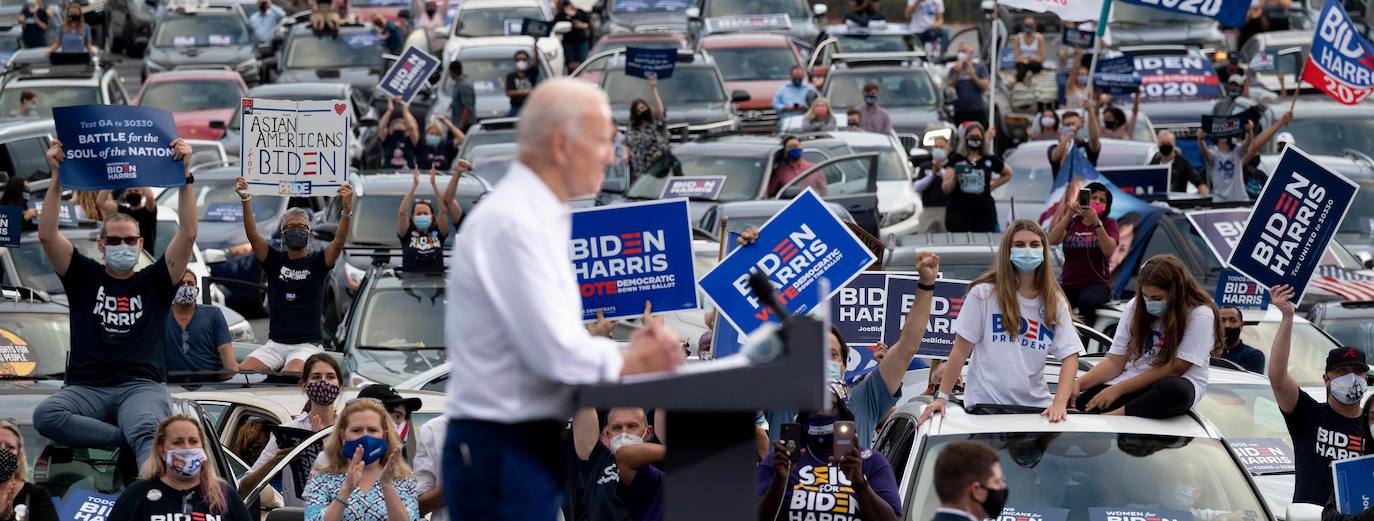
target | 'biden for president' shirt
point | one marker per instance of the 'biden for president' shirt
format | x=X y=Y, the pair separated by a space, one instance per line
x=1008 y=363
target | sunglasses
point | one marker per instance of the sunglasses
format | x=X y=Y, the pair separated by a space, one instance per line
x=112 y=240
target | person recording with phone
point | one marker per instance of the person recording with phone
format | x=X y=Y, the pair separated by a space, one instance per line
x=1088 y=237
x=824 y=448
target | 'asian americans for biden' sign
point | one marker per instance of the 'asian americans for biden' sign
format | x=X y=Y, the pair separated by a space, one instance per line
x=796 y=249
x=626 y=255
x=116 y=146
x=294 y=148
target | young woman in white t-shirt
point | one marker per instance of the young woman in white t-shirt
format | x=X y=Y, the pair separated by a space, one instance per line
x=1007 y=363
x=1157 y=367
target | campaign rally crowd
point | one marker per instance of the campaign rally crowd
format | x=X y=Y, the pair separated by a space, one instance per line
x=1090 y=306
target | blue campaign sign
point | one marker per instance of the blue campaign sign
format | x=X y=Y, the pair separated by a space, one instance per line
x=1238 y=291
x=1220 y=229
x=1218 y=127
x=81 y=504
x=639 y=62
x=1014 y=513
x=1341 y=60
x=11 y=222
x=66 y=215
x=948 y=300
x=1354 y=483
x=725 y=339
x=409 y=73
x=223 y=212
x=1137 y=514
x=1231 y=13
x=625 y=255
x=1079 y=38
x=1138 y=180
x=797 y=248
x=1177 y=77
x=1117 y=75
x=706 y=187
x=117 y=146
x=856 y=310
x=1293 y=221
x=1263 y=455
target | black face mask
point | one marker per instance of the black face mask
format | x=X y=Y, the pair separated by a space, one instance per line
x=262 y=7
x=134 y=199
x=992 y=505
x=1166 y=149
x=1232 y=335
x=9 y=464
x=430 y=10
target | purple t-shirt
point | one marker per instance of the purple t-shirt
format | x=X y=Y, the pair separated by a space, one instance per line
x=644 y=496
x=1084 y=262
x=822 y=491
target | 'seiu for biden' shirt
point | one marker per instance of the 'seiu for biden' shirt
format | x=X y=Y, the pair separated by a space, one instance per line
x=817 y=490
x=295 y=294
x=117 y=326
x=1195 y=348
x=1007 y=364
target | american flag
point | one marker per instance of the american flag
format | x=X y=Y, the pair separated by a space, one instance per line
x=1348 y=284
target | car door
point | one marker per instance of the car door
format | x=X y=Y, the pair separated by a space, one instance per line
x=301 y=458
x=850 y=181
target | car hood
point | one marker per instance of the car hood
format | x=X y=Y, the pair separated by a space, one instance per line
x=360 y=77
x=170 y=58
x=195 y=124
x=1182 y=113
x=694 y=114
x=913 y=119
x=760 y=92
x=492 y=105
x=1205 y=35
x=393 y=366
x=675 y=22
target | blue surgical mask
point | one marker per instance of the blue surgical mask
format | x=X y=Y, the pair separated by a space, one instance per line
x=121 y=258
x=794 y=154
x=938 y=153
x=296 y=238
x=836 y=371
x=433 y=140
x=424 y=221
x=373 y=448
x=1027 y=259
x=796 y=82
x=1156 y=307
x=871 y=100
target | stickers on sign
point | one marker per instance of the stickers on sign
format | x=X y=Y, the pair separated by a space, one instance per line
x=220 y=39
x=486 y=86
x=17 y=358
x=1014 y=513
x=223 y=212
x=183 y=41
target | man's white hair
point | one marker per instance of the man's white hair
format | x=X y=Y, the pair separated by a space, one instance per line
x=557 y=104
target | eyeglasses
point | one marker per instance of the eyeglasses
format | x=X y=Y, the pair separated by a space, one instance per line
x=112 y=240
x=296 y=227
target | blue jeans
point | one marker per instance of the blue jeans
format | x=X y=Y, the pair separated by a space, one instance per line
x=503 y=472
x=574 y=53
x=105 y=417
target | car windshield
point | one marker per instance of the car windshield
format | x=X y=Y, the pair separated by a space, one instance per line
x=908 y=88
x=477 y=139
x=648 y=6
x=1076 y=475
x=1334 y=136
x=743 y=176
x=490 y=162
x=49 y=97
x=402 y=318
x=310 y=52
x=791 y=8
x=202 y=31
x=1307 y=361
x=34 y=344
x=866 y=43
x=217 y=192
x=890 y=165
x=183 y=95
x=688 y=85
x=487 y=75
x=1244 y=411
x=754 y=64
x=492 y=22
x=374 y=221
x=1127 y=14
x=35 y=271
x=1352 y=331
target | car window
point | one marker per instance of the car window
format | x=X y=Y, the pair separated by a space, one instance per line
x=891 y=167
x=645 y=6
x=488 y=76
x=1210 y=262
x=183 y=95
x=201 y=31
x=27 y=157
x=1244 y=411
x=743 y=177
x=34 y=344
x=310 y=52
x=1161 y=243
x=492 y=22
x=755 y=63
x=1333 y=136
x=439 y=384
x=847 y=176
x=791 y=8
x=1307 y=358
x=688 y=85
x=50 y=96
x=895 y=89
x=401 y=318
x=895 y=443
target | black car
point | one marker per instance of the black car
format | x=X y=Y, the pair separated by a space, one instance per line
x=364 y=147
x=802 y=16
x=395 y=328
x=694 y=95
x=631 y=16
x=200 y=38
x=352 y=57
x=906 y=90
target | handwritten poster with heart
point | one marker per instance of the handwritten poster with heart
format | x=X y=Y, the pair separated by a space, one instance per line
x=294 y=148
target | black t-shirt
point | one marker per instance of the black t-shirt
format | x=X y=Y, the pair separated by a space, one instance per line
x=1181 y=173
x=295 y=294
x=33 y=35
x=422 y=251
x=575 y=35
x=970 y=207
x=600 y=483
x=147 y=225
x=527 y=83
x=440 y=157
x=398 y=151
x=153 y=500
x=1083 y=144
x=1320 y=436
x=118 y=326
x=38 y=501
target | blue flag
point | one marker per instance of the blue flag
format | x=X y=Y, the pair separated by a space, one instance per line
x=117 y=146
x=1231 y=13
x=639 y=62
x=625 y=255
x=1341 y=62
x=1293 y=221
x=1076 y=165
x=409 y=73
x=1139 y=180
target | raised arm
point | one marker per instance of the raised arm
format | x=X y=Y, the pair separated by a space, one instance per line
x=1258 y=143
x=1202 y=145
x=442 y=209
x=384 y=124
x=1135 y=113
x=451 y=191
x=55 y=245
x=659 y=112
x=403 y=213
x=586 y=431
x=1285 y=386
x=335 y=247
x=250 y=223
x=412 y=126
x=1094 y=123
x=894 y=365
x=178 y=253
x=104 y=200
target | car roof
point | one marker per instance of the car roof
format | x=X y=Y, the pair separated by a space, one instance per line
x=386 y=183
x=287 y=401
x=192 y=74
x=498 y=4
x=957 y=421
x=26 y=126
x=495 y=46
x=1223 y=376
x=745 y=40
x=857 y=139
x=1284 y=38
x=392 y=279
x=873 y=29
x=767 y=207
x=298 y=89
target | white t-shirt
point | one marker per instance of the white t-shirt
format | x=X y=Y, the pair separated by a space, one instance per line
x=924 y=15
x=1007 y=369
x=429 y=459
x=1225 y=171
x=1195 y=348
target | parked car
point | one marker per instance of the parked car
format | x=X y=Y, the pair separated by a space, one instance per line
x=801 y=16
x=757 y=63
x=486 y=62
x=1178 y=84
x=614 y=17
x=210 y=36
x=195 y=98
x=480 y=19
x=390 y=334
x=694 y=95
x=353 y=57
x=1143 y=25
x=94 y=83
x=906 y=90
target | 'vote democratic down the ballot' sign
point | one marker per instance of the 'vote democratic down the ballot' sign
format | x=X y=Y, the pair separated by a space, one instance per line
x=625 y=255
x=294 y=148
x=115 y=146
x=796 y=248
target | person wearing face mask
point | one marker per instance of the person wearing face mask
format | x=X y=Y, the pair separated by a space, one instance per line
x=1232 y=348
x=430 y=18
x=440 y=145
x=873 y=118
x=28 y=105
x=601 y=481
x=363 y=477
x=930 y=183
x=790 y=166
x=1048 y=126
x=1115 y=125
x=1088 y=237
x=647 y=139
x=75 y=37
x=320 y=383
x=794 y=96
x=296 y=275
x=115 y=390
x=19 y=499
x=819 y=118
x=138 y=203
x=1157 y=365
x=421 y=231
x=866 y=486
x=398 y=410
x=521 y=81
x=854 y=120
x=1224 y=160
x=970 y=83
x=969 y=483
x=1029 y=51
x=1322 y=432
x=400 y=135
x=1007 y=367
x=34 y=17
x=970 y=177
x=197 y=336
x=576 y=42
x=263 y=21
x=1181 y=172
x=180 y=481
x=1076 y=83
x=1072 y=122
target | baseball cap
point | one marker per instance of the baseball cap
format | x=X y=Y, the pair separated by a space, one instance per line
x=389 y=397
x=1343 y=356
x=1285 y=138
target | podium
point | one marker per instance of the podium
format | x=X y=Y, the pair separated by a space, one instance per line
x=711 y=467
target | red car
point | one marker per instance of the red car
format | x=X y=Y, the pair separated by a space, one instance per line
x=195 y=98
x=757 y=63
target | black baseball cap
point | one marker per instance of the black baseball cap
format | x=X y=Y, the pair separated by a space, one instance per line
x=1343 y=356
x=389 y=397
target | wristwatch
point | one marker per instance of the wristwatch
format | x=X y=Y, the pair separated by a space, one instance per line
x=347 y=214
x=924 y=287
x=190 y=179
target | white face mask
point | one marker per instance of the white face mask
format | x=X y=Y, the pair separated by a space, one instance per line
x=963 y=56
x=1348 y=389
x=521 y=65
x=623 y=439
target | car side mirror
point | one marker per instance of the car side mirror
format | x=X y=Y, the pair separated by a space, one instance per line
x=737 y=96
x=217 y=124
x=819 y=9
x=562 y=27
x=790 y=193
x=693 y=13
x=326 y=232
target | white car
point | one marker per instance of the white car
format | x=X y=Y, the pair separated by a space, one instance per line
x=476 y=20
x=1242 y=406
x=899 y=206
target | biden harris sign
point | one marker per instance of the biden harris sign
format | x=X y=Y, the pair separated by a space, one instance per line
x=627 y=255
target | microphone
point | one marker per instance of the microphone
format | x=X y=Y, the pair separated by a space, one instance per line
x=763 y=289
x=764 y=344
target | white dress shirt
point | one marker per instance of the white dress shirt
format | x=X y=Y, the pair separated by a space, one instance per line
x=514 y=333
x=429 y=460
